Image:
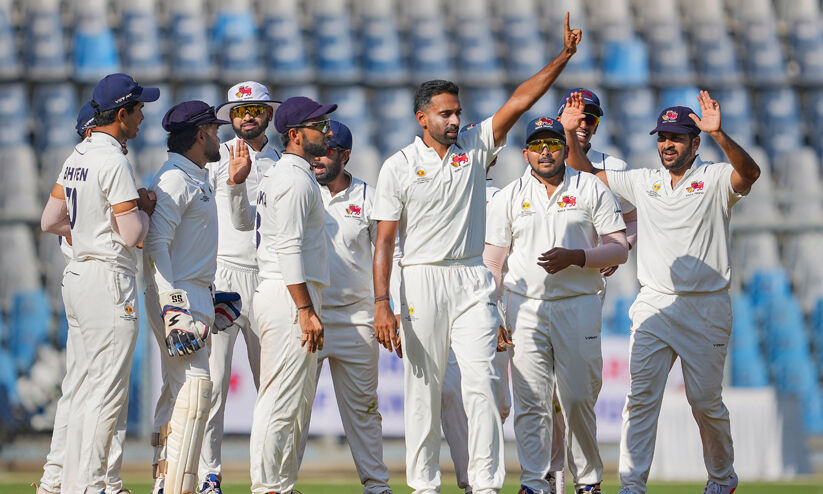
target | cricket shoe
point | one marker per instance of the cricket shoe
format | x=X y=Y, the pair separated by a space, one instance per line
x=211 y=485
x=715 y=488
x=589 y=489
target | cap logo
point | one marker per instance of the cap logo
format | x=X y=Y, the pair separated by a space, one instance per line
x=243 y=91
x=669 y=116
x=586 y=94
x=544 y=122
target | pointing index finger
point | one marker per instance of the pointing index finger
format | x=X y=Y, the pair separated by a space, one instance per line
x=567 y=28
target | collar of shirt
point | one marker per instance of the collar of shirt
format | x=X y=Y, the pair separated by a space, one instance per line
x=188 y=166
x=99 y=137
x=540 y=188
x=428 y=153
x=696 y=165
x=343 y=195
x=267 y=151
x=297 y=161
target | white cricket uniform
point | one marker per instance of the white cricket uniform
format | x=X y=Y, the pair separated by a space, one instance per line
x=100 y=296
x=447 y=300
x=348 y=316
x=292 y=250
x=236 y=272
x=182 y=236
x=554 y=318
x=453 y=415
x=683 y=309
x=53 y=468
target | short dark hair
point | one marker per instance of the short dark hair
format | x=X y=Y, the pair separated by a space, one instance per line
x=182 y=140
x=107 y=116
x=424 y=94
x=285 y=139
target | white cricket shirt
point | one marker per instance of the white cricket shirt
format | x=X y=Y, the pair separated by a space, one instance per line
x=236 y=246
x=96 y=176
x=440 y=203
x=605 y=161
x=685 y=230
x=491 y=190
x=351 y=232
x=183 y=231
x=290 y=222
x=525 y=219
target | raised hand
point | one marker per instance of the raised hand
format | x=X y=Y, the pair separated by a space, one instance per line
x=239 y=163
x=573 y=112
x=710 y=110
x=571 y=37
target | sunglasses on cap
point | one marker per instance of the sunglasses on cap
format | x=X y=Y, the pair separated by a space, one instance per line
x=591 y=119
x=321 y=126
x=537 y=145
x=240 y=111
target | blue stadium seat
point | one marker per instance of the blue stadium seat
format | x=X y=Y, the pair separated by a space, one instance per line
x=679 y=96
x=795 y=373
x=780 y=129
x=762 y=57
x=151 y=130
x=394 y=114
x=284 y=48
x=62 y=333
x=205 y=91
x=477 y=54
x=669 y=63
x=717 y=64
x=806 y=42
x=94 y=48
x=191 y=57
x=625 y=63
x=234 y=41
x=335 y=50
x=140 y=37
x=29 y=324
x=737 y=115
x=9 y=63
x=521 y=39
x=55 y=107
x=621 y=323
x=44 y=49
x=9 y=395
x=352 y=107
x=383 y=61
x=635 y=114
x=13 y=103
x=817 y=325
x=429 y=50
x=813 y=111
x=748 y=368
x=766 y=284
x=482 y=102
x=19 y=191
x=812 y=402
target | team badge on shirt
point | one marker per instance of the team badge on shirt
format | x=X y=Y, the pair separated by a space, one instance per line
x=567 y=202
x=526 y=208
x=421 y=176
x=655 y=190
x=696 y=187
x=353 y=210
x=129 y=313
x=410 y=315
x=204 y=197
x=458 y=160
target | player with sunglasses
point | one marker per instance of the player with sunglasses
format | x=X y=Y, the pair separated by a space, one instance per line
x=249 y=109
x=561 y=220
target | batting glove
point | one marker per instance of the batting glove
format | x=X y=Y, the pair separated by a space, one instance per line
x=227 y=307
x=184 y=335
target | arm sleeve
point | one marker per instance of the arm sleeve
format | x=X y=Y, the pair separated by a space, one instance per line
x=132 y=226
x=288 y=226
x=388 y=202
x=630 y=219
x=613 y=250
x=242 y=212
x=172 y=199
x=493 y=258
x=55 y=218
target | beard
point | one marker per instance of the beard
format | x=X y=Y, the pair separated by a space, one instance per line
x=548 y=174
x=680 y=162
x=332 y=172
x=442 y=138
x=213 y=154
x=316 y=149
x=250 y=134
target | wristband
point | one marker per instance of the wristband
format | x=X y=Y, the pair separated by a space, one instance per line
x=306 y=307
x=380 y=299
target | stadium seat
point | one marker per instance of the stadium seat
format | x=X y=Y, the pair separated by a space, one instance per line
x=679 y=96
x=44 y=49
x=94 y=47
x=13 y=103
x=702 y=12
x=752 y=10
x=141 y=41
x=383 y=61
x=55 y=108
x=147 y=162
x=283 y=45
x=813 y=112
x=797 y=172
x=748 y=368
x=812 y=402
x=19 y=184
x=206 y=91
x=151 y=130
x=806 y=42
x=752 y=253
x=668 y=55
x=477 y=53
x=30 y=323
x=767 y=283
x=352 y=107
x=655 y=12
x=9 y=394
x=625 y=63
x=394 y=116
x=191 y=57
x=9 y=62
x=780 y=128
x=482 y=102
x=717 y=65
x=762 y=57
x=234 y=41
x=520 y=32
x=428 y=49
x=335 y=49
x=18 y=261
x=621 y=323
x=635 y=113
x=737 y=115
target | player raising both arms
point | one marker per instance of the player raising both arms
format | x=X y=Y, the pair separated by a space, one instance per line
x=433 y=192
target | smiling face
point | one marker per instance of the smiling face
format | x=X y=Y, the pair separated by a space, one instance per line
x=676 y=151
x=588 y=126
x=329 y=167
x=441 y=118
x=549 y=160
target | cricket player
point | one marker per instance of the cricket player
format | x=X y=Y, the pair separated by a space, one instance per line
x=96 y=203
x=294 y=270
x=250 y=109
x=53 y=468
x=180 y=261
x=348 y=310
x=683 y=309
x=569 y=224
x=433 y=193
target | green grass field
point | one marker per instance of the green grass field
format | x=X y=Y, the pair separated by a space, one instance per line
x=813 y=486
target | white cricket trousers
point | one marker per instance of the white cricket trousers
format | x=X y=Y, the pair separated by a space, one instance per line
x=352 y=352
x=453 y=415
x=556 y=343
x=243 y=280
x=450 y=305
x=101 y=307
x=176 y=370
x=53 y=468
x=695 y=328
x=287 y=388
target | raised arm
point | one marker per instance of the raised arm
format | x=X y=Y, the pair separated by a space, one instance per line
x=243 y=212
x=570 y=119
x=746 y=172
x=534 y=87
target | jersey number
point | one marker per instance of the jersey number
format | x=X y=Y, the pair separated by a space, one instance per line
x=71 y=203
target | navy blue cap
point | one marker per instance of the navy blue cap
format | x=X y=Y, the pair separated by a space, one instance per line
x=341 y=135
x=590 y=100
x=676 y=120
x=115 y=90
x=85 y=119
x=544 y=124
x=190 y=114
x=297 y=110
